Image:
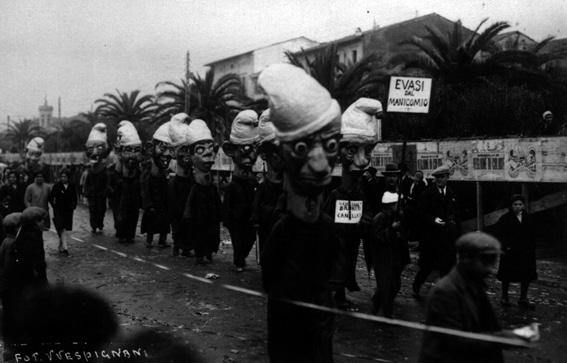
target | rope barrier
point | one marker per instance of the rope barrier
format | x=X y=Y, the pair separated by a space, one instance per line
x=491 y=338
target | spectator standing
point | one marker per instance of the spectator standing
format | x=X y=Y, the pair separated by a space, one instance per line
x=63 y=199
x=440 y=228
x=518 y=263
x=12 y=193
x=37 y=195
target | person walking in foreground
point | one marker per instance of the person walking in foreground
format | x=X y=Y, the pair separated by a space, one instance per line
x=518 y=263
x=302 y=252
x=459 y=301
x=63 y=199
x=37 y=195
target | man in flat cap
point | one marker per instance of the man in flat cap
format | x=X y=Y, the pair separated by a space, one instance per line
x=303 y=249
x=239 y=194
x=441 y=227
x=459 y=301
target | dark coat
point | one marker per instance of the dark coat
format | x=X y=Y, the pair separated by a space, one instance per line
x=63 y=201
x=129 y=203
x=96 y=183
x=299 y=261
x=178 y=190
x=13 y=197
x=154 y=203
x=203 y=214
x=264 y=209
x=438 y=248
x=518 y=263
x=459 y=302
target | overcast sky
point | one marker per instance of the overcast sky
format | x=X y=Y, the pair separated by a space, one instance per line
x=80 y=49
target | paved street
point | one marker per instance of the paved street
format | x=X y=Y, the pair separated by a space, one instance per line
x=150 y=288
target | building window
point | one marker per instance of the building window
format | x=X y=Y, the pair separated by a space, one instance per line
x=232 y=66
x=354 y=56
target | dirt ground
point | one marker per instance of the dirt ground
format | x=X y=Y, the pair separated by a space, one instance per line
x=148 y=288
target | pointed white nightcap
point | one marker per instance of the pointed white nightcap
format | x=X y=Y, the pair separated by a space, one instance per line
x=127 y=135
x=35 y=144
x=97 y=135
x=179 y=130
x=299 y=105
x=266 y=129
x=162 y=133
x=359 y=121
x=244 y=128
x=199 y=131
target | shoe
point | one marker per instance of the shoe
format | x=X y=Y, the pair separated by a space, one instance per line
x=93 y=231
x=524 y=303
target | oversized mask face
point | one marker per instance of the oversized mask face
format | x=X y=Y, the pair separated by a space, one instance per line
x=244 y=156
x=162 y=154
x=131 y=155
x=355 y=156
x=33 y=157
x=183 y=156
x=203 y=155
x=310 y=160
x=97 y=152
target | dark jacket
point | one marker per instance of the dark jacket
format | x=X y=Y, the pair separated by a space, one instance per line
x=96 y=183
x=518 y=263
x=63 y=199
x=13 y=197
x=459 y=302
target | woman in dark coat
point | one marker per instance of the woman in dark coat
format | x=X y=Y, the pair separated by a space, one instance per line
x=63 y=199
x=517 y=264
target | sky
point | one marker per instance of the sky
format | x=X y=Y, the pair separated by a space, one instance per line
x=80 y=49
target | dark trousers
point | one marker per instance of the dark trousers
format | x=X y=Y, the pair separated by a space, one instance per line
x=388 y=284
x=243 y=238
x=114 y=207
x=126 y=224
x=97 y=209
x=180 y=235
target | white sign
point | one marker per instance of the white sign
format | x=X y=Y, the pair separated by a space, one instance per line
x=409 y=94
x=348 y=211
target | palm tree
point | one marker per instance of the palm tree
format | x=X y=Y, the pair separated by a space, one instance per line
x=92 y=117
x=133 y=107
x=215 y=102
x=20 y=133
x=456 y=56
x=345 y=82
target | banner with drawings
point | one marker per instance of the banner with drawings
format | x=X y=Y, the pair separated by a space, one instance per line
x=524 y=160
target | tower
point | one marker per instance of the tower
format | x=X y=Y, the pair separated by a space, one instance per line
x=45 y=113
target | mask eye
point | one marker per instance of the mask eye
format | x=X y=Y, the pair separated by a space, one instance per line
x=332 y=145
x=351 y=150
x=300 y=148
x=199 y=150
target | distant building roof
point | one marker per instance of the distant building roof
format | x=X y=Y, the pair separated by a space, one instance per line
x=511 y=34
x=555 y=45
x=251 y=51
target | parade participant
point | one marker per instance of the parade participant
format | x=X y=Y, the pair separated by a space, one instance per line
x=96 y=182
x=203 y=210
x=63 y=199
x=518 y=263
x=303 y=248
x=390 y=254
x=127 y=180
x=37 y=195
x=33 y=163
x=348 y=204
x=180 y=185
x=459 y=301
x=114 y=187
x=270 y=189
x=154 y=188
x=239 y=194
x=12 y=193
x=441 y=228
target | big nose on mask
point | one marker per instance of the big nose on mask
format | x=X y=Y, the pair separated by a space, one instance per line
x=317 y=162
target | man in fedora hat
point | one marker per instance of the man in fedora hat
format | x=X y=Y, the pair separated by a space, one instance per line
x=439 y=212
